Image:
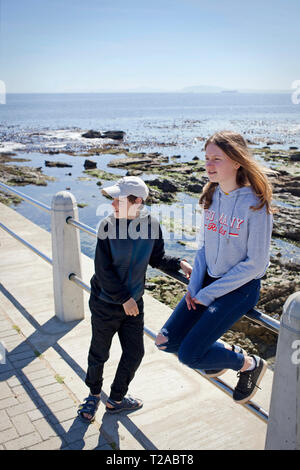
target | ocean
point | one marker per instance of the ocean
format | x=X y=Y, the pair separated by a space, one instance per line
x=169 y=123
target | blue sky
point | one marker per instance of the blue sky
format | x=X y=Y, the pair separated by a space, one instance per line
x=116 y=45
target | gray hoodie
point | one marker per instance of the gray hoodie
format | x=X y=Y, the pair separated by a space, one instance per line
x=236 y=244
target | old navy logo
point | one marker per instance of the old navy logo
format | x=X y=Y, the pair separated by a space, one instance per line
x=224 y=224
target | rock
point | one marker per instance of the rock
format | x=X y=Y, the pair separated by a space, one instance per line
x=92 y=134
x=89 y=164
x=134 y=173
x=286 y=224
x=179 y=169
x=165 y=185
x=9 y=157
x=295 y=157
x=293 y=190
x=194 y=188
x=23 y=175
x=129 y=161
x=57 y=164
x=101 y=174
x=155 y=197
x=9 y=199
x=150 y=286
x=115 y=135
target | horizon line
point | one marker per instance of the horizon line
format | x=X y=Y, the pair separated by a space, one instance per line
x=150 y=92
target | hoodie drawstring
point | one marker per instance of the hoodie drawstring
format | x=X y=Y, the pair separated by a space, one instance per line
x=229 y=220
x=230 y=217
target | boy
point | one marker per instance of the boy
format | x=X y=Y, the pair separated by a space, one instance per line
x=128 y=240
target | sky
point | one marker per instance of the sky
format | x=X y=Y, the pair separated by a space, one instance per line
x=49 y=46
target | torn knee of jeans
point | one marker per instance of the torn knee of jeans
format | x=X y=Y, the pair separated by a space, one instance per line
x=161 y=339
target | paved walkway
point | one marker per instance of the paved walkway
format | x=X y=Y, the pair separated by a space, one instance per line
x=37 y=410
x=42 y=381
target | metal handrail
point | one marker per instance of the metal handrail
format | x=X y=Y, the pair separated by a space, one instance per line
x=250 y=406
x=253 y=314
x=27 y=244
x=81 y=226
x=29 y=199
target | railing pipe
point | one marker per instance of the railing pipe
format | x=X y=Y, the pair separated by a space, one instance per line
x=81 y=226
x=253 y=314
x=29 y=199
x=27 y=244
x=251 y=406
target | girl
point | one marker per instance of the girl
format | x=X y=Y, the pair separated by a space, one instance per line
x=225 y=280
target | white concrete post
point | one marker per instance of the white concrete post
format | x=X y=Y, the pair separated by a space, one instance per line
x=66 y=257
x=283 y=431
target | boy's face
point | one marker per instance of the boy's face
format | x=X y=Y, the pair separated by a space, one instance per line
x=124 y=209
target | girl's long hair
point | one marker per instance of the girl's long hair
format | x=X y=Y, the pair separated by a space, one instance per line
x=250 y=172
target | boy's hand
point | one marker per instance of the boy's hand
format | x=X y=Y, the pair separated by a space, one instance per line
x=186 y=268
x=131 y=307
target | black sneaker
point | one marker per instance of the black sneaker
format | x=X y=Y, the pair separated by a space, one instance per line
x=249 y=381
x=218 y=372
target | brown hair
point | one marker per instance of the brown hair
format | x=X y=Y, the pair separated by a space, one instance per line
x=132 y=199
x=250 y=173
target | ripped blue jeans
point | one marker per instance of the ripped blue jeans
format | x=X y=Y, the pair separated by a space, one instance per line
x=193 y=334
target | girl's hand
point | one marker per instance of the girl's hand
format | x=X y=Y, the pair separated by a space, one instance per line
x=186 y=268
x=196 y=301
x=189 y=301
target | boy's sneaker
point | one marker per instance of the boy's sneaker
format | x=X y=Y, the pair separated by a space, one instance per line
x=249 y=381
x=128 y=403
x=218 y=372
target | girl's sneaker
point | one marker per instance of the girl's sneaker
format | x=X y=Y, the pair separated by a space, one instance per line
x=249 y=381
x=218 y=372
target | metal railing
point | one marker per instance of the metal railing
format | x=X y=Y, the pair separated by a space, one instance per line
x=254 y=315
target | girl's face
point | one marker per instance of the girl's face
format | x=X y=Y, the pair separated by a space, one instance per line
x=220 y=168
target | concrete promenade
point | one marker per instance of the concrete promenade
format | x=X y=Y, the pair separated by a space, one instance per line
x=42 y=379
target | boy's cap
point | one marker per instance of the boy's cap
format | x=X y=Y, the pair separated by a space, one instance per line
x=129 y=185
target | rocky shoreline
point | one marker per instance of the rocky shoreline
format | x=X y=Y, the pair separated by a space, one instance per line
x=168 y=177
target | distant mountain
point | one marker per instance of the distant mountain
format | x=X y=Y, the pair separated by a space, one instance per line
x=201 y=89
x=215 y=89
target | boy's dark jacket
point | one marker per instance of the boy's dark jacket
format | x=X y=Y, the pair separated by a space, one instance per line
x=124 y=249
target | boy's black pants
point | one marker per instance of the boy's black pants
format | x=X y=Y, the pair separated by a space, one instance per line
x=108 y=319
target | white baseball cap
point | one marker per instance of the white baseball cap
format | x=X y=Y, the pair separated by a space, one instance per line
x=126 y=186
